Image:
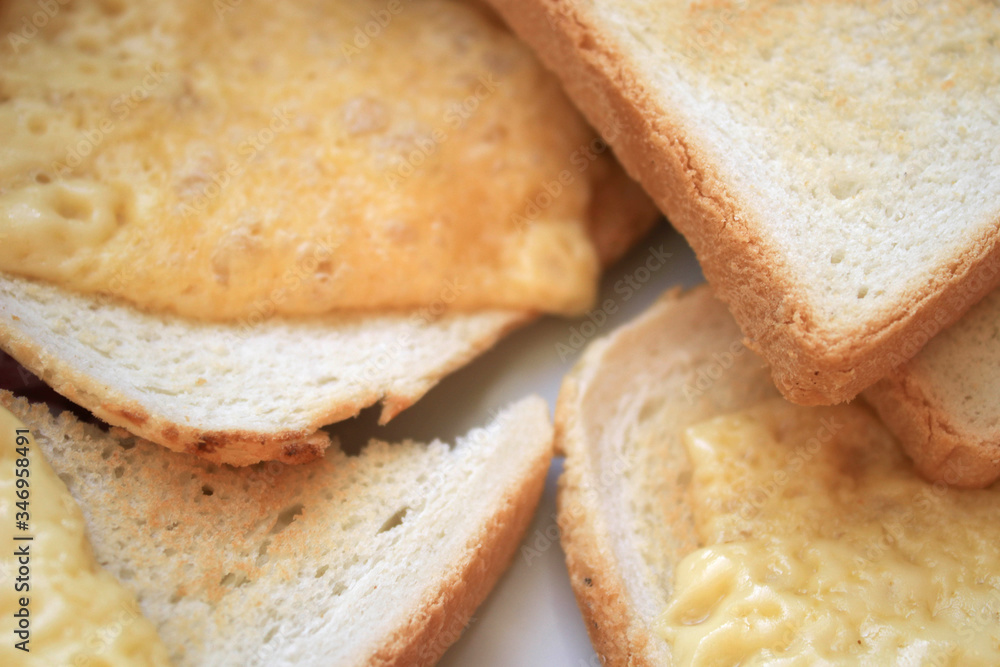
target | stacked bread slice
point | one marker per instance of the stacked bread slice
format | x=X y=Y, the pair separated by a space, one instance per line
x=358 y=243
x=716 y=523
x=420 y=188
x=834 y=166
x=942 y=404
x=207 y=389
x=227 y=225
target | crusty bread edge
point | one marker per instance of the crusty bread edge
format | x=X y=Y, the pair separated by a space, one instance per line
x=238 y=447
x=941 y=449
x=599 y=589
x=447 y=611
x=809 y=365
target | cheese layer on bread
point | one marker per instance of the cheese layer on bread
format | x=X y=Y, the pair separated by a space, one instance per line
x=822 y=545
x=59 y=607
x=229 y=160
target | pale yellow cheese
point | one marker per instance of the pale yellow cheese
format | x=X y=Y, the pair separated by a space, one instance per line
x=822 y=546
x=241 y=158
x=76 y=613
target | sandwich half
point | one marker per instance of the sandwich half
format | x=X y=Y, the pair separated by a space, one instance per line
x=708 y=521
x=222 y=280
x=834 y=165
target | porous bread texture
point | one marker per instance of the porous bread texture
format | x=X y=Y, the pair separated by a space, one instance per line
x=235 y=395
x=835 y=166
x=377 y=559
x=944 y=404
x=622 y=513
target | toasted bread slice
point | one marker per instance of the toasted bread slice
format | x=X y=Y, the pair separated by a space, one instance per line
x=259 y=391
x=944 y=404
x=378 y=558
x=833 y=165
x=634 y=510
x=228 y=394
x=620 y=557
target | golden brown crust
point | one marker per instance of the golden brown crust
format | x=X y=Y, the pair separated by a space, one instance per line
x=942 y=451
x=810 y=365
x=447 y=611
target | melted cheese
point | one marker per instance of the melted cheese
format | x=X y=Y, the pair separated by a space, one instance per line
x=822 y=546
x=77 y=613
x=240 y=158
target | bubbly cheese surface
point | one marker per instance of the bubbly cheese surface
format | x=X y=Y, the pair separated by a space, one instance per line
x=77 y=613
x=822 y=546
x=236 y=159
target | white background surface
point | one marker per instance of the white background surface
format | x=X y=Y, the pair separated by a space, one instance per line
x=531 y=617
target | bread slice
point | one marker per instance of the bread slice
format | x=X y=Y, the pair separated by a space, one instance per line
x=259 y=391
x=943 y=404
x=228 y=394
x=626 y=507
x=679 y=363
x=374 y=559
x=834 y=166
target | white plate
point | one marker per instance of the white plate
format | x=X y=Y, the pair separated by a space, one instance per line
x=531 y=617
